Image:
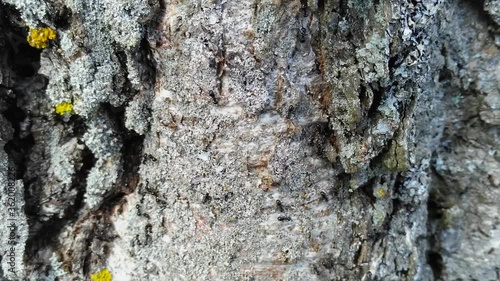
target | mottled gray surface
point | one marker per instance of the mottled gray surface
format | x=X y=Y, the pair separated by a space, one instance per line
x=467 y=165
x=256 y=140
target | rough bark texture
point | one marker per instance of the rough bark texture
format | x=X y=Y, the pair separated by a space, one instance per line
x=251 y=140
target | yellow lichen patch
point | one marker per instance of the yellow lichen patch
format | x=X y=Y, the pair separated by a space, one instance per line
x=103 y=275
x=64 y=107
x=381 y=192
x=38 y=37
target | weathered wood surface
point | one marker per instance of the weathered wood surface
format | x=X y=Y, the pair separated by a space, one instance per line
x=252 y=139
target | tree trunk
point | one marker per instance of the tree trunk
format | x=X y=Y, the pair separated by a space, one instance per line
x=250 y=140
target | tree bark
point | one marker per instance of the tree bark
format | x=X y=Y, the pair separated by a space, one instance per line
x=250 y=140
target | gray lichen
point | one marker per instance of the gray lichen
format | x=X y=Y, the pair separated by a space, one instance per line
x=105 y=143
